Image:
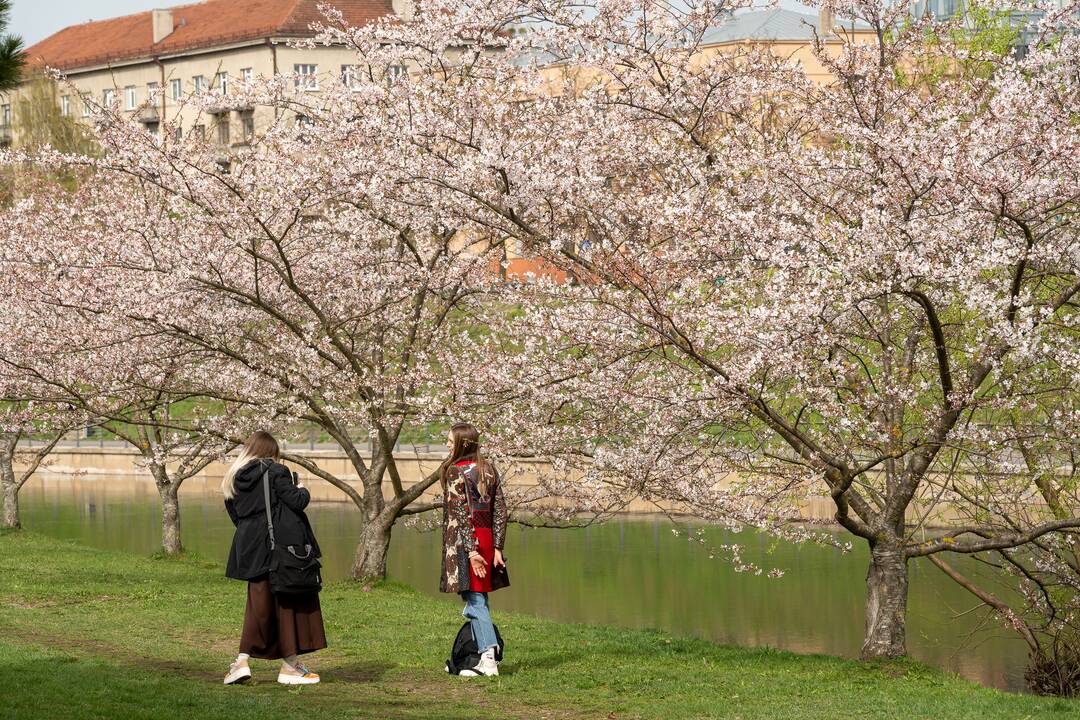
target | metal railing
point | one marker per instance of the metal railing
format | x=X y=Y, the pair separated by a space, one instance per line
x=93 y=438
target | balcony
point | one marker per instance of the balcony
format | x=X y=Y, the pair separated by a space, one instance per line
x=221 y=104
x=149 y=115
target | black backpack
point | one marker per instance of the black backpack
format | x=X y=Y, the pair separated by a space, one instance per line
x=465 y=655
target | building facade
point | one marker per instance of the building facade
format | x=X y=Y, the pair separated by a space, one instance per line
x=149 y=62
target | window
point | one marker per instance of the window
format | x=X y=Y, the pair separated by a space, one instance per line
x=307 y=77
x=153 y=128
x=153 y=92
x=200 y=84
x=130 y=97
x=108 y=96
x=247 y=125
x=223 y=132
x=221 y=81
x=178 y=134
x=177 y=89
x=199 y=131
x=246 y=74
x=65 y=105
x=303 y=122
x=86 y=104
x=5 y=115
x=395 y=73
x=350 y=76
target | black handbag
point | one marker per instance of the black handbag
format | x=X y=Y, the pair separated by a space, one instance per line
x=293 y=569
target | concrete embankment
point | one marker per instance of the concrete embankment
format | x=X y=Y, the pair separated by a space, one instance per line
x=113 y=468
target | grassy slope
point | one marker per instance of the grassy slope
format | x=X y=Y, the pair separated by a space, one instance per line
x=89 y=633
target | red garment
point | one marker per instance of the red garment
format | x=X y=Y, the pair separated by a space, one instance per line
x=480 y=518
x=486 y=540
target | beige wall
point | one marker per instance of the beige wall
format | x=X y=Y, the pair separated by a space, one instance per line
x=801 y=52
x=265 y=57
x=262 y=57
x=798 y=51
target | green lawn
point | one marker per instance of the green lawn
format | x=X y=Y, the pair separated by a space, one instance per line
x=87 y=633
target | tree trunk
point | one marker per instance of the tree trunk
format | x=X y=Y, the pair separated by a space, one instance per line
x=886 y=602
x=369 y=565
x=10 y=485
x=170 y=519
x=11 y=502
x=168 y=489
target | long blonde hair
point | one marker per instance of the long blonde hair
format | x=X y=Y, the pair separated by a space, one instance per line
x=259 y=445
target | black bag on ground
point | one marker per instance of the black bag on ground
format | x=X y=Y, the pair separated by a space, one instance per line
x=293 y=568
x=465 y=655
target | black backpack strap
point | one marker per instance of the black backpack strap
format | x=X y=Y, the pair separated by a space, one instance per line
x=266 y=497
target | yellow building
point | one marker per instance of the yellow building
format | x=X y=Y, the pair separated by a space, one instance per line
x=789 y=34
x=786 y=33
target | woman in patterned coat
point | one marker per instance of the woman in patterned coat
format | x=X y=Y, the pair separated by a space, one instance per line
x=474 y=530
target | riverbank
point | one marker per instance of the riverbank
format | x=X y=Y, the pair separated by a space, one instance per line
x=115 y=465
x=88 y=633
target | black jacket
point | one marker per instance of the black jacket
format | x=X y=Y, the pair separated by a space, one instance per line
x=249 y=556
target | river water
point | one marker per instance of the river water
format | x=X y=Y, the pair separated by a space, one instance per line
x=629 y=572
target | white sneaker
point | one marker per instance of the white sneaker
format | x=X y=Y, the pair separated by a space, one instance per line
x=237 y=674
x=486 y=667
x=302 y=676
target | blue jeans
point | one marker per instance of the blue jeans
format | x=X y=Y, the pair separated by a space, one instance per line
x=479 y=616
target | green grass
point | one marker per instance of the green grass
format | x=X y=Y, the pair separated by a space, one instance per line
x=87 y=633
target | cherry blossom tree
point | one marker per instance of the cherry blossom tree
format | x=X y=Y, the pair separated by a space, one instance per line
x=28 y=412
x=136 y=398
x=786 y=289
x=858 y=296
x=25 y=422
x=67 y=348
x=1046 y=610
x=299 y=289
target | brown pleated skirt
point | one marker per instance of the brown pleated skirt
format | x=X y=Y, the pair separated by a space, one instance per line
x=277 y=626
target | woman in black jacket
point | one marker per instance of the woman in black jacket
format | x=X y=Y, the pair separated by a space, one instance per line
x=275 y=626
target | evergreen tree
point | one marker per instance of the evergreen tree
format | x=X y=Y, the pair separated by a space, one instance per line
x=11 y=51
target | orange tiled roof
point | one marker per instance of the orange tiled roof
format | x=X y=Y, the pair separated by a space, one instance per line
x=201 y=25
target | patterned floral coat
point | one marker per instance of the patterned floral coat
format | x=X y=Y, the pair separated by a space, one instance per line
x=459 y=538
